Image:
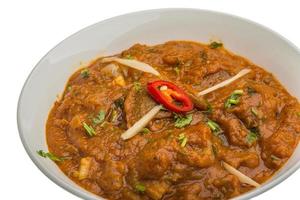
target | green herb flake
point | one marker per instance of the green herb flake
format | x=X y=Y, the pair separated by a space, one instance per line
x=238 y=92
x=69 y=88
x=51 y=156
x=89 y=130
x=114 y=116
x=140 y=187
x=252 y=136
x=85 y=73
x=214 y=150
x=298 y=114
x=145 y=131
x=137 y=86
x=182 y=139
x=182 y=121
x=215 y=45
x=233 y=99
x=254 y=111
x=129 y=57
x=209 y=107
x=99 y=118
x=214 y=127
x=177 y=70
x=275 y=158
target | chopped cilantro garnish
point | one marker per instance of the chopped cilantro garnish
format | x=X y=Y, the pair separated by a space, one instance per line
x=89 y=130
x=177 y=70
x=137 y=86
x=145 y=131
x=215 y=45
x=252 y=136
x=254 y=111
x=50 y=156
x=114 y=116
x=85 y=73
x=182 y=121
x=182 y=139
x=274 y=157
x=99 y=118
x=140 y=187
x=214 y=127
x=128 y=56
x=233 y=99
x=214 y=150
x=209 y=107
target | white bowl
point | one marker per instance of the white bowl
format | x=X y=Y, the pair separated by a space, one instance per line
x=261 y=45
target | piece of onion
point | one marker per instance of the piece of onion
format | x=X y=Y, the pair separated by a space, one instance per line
x=224 y=83
x=132 y=63
x=111 y=69
x=242 y=177
x=139 y=125
x=85 y=165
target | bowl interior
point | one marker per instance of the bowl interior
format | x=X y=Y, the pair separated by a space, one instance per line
x=260 y=45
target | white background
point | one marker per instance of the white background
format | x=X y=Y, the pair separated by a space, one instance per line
x=28 y=29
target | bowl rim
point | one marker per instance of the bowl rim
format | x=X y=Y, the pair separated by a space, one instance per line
x=79 y=192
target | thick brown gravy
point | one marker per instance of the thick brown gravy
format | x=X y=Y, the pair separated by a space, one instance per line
x=257 y=135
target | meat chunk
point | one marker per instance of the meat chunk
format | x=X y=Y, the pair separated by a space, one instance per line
x=198 y=152
x=76 y=133
x=234 y=128
x=237 y=158
x=111 y=179
x=156 y=189
x=178 y=53
x=229 y=185
x=156 y=159
x=281 y=144
x=258 y=103
x=211 y=79
x=161 y=157
x=137 y=104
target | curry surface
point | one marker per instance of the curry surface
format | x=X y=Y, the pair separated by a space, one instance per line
x=154 y=164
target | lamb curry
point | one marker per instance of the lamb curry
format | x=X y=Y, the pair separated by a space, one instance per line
x=148 y=134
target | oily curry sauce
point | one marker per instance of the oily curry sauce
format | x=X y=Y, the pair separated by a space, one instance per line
x=255 y=134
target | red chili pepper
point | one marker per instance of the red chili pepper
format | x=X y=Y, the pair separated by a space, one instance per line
x=170 y=96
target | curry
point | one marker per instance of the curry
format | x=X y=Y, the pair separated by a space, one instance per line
x=172 y=121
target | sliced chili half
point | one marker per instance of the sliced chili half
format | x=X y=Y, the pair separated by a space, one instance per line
x=170 y=96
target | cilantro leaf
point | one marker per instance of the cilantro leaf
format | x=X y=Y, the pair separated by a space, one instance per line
x=182 y=139
x=85 y=73
x=140 y=187
x=137 y=86
x=89 y=130
x=215 y=45
x=99 y=118
x=182 y=121
x=51 y=156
